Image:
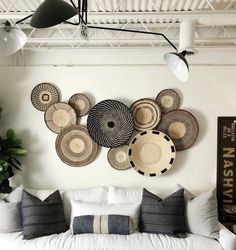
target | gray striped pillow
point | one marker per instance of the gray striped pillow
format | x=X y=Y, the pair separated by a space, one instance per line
x=103 y=224
x=41 y=218
x=164 y=216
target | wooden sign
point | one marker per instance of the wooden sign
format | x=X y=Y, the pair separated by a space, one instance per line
x=226 y=170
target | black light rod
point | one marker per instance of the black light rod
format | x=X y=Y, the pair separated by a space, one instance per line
x=23 y=19
x=135 y=31
x=73 y=4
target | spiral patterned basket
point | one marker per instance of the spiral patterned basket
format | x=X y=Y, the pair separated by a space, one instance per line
x=110 y=123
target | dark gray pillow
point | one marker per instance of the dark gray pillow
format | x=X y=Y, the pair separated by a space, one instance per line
x=103 y=224
x=41 y=218
x=164 y=216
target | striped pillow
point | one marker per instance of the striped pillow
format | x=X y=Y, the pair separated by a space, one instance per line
x=164 y=216
x=41 y=218
x=103 y=224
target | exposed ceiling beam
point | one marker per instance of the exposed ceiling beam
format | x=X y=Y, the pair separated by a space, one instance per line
x=125 y=40
x=201 y=17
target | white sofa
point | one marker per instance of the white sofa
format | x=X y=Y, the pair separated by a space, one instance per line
x=136 y=241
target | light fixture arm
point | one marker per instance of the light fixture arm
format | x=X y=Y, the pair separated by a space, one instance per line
x=83 y=17
x=23 y=19
x=135 y=31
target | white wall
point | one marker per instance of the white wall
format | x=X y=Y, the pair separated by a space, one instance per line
x=210 y=92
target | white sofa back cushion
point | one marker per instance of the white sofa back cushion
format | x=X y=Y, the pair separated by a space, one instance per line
x=41 y=194
x=124 y=195
x=10 y=219
x=79 y=208
x=201 y=213
x=119 y=194
x=98 y=195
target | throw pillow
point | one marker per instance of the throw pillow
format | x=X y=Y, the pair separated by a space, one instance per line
x=103 y=224
x=120 y=195
x=15 y=195
x=79 y=208
x=90 y=194
x=41 y=218
x=164 y=216
x=202 y=214
x=10 y=218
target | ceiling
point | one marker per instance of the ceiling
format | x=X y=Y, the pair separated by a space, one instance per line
x=215 y=23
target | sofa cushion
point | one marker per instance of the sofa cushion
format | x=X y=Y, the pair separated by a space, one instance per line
x=42 y=218
x=42 y=194
x=202 y=214
x=103 y=224
x=87 y=195
x=135 y=241
x=165 y=216
x=120 y=195
x=15 y=195
x=10 y=218
x=88 y=208
x=126 y=195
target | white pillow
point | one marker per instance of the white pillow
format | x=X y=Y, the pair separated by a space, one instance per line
x=201 y=213
x=15 y=195
x=42 y=194
x=10 y=217
x=120 y=195
x=98 y=195
x=79 y=208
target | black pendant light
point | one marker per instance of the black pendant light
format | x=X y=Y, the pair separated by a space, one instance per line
x=52 y=12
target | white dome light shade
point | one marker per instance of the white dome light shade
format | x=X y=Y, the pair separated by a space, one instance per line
x=178 y=65
x=12 y=39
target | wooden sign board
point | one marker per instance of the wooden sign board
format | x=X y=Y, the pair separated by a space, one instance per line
x=226 y=170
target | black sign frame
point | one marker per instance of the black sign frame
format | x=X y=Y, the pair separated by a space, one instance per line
x=226 y=170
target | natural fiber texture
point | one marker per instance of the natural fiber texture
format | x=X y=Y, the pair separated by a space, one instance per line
x=118 y=157
x=80 y=103
x=181 y=126
x=110 y=123
x=43 y=95
x=58 y=116
x=146 y=113
x=151 y=153
x=75 y=147
x=168 y=100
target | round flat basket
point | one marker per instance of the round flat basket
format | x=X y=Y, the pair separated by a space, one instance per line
x=118 y=157
x=44 y=95
x=110 y=123
x=75 y=147
x=58 y=116
x=168 y=100
x=146 y=113
x=181 y=126
x=151 y=153
x=80 y=103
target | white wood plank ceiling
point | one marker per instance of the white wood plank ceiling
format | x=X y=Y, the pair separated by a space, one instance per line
x=215 y=23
